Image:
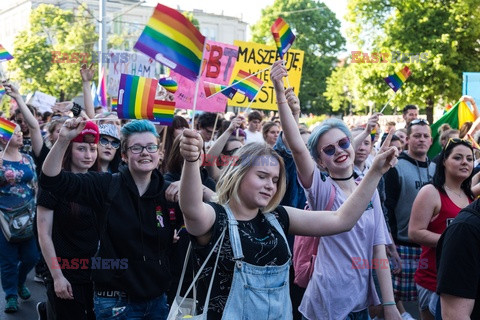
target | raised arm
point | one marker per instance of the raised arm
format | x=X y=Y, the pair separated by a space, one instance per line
x=32 y=123
x=324 y=223
x=426 y=205
x=371 y=123
x=199 y=217
x=303 y=161
x=87 y=76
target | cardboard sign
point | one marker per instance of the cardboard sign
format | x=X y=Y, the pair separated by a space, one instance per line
x=253 y=57
x=218 y=63
x=44 y=102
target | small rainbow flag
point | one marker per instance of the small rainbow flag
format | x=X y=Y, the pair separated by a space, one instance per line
x=283 y=36
x=163 y=112
x=169 y=84
x=7 y=128
x=396 y=80
x=136 y=97
x=170 y=38
x=2 y=92
x=114 y=104
x=4 y=55
x=247 y=84
x=212 y=88
x=373 y=133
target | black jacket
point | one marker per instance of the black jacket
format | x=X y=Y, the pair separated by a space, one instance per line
x=138 y=232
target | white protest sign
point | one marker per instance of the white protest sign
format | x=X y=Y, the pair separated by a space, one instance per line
x=44 y=102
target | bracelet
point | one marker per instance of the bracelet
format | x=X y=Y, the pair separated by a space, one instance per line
x=76 y=109
x=390 y=303
x=199 y=155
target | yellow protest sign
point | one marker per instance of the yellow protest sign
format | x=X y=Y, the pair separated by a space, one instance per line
x=253 y=57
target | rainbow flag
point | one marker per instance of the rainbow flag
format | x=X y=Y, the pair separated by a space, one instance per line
x=283 y=36
x=396 y=80
x=170 y=38
x=102 y=89
x=136 y=97
x=169 y=84
x=2 y=92
x=163 y=112
x=4 y=55
x=7 y=128
x=247 y=84
x=114 y=104
x=212 y=88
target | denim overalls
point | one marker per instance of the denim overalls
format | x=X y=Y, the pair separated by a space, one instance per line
x=257 y=293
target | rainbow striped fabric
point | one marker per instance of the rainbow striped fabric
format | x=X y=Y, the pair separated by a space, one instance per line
x=102 y=89
x=212 y=88
x=247 y=84
x=169 y=84
x=396 y=80
x=283 y=36
x=163 y=112
x=7 y=128
x=170 y=38
x=114 y=104
x=2 y=92
x=4 y=55
x=136 y=96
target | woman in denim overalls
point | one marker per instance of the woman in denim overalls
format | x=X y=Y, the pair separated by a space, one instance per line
x=251 y=281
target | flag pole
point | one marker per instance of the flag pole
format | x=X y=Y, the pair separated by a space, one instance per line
x=252 y=75
x=196 y=87
x=381 y=111
x=214 y=126
x=246 y=110
x=5 y=150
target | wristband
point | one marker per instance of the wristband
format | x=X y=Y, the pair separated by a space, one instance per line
x=390 y=303
x=200 y=154
x=76 y=109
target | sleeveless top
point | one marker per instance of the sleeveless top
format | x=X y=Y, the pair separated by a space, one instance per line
x=426 y=274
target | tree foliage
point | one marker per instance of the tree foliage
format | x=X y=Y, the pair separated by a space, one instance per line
x=52 y=29
x=317 y=32
x=446 y=30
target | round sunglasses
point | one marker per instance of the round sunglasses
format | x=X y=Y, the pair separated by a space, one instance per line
x=105 y=142
x=331 y=148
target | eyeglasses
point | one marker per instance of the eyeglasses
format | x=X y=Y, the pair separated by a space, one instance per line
x=136 y=149
x=458 y=141
x=230 y=152
x=422 y=122
x=114 y=143
x=331 y=148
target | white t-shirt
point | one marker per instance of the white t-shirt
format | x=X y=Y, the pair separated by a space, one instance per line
x=253 y=137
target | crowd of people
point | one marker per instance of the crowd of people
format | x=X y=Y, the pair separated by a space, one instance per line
x=124 y=219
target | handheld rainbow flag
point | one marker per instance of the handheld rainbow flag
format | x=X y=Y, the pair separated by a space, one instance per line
x=396 y=80
x=283 y=36
x=114 y=104
x=247 y=84
x=212 y=88
x=2 y=92
x=102 y=89
x=4 y=55
x=170 y=38
x=373 y=133
x=169 y=84
x=136 y=97
x=163 y=112
x=7 y=128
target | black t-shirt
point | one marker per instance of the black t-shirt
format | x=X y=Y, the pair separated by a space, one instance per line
x=262 y=245
x=458 y=257
x=74 y=236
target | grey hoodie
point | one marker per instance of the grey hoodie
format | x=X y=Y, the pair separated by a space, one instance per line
x=402 y=184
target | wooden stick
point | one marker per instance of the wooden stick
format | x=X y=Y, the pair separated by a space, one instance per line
x=214 y=126
x=5 y=150
x=164 y=138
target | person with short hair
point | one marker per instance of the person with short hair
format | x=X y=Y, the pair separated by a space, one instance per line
x=254 y=126
x=410 y=113
x=206 y=125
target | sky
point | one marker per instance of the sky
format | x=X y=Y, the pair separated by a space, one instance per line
x=249 y=11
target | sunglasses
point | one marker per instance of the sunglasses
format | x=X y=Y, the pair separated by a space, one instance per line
x=331 y=148
x=419 y=121
x=105 y=142
x=454 y=141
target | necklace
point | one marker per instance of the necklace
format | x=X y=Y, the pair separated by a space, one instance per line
x=458 y=194
x=342 y=179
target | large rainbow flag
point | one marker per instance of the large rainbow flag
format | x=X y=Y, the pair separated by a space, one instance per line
x=396 y=80
x=170 y=38
x=136 y=96
x=7 y=128
x=247 y=84
x=283 y=36
x=163 y=112
x=213 y=88
x=4 y=55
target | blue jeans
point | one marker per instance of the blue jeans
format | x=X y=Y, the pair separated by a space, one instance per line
x=16 y=261
x=119 y=308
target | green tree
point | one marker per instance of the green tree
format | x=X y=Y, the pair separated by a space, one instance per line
x=317 y=32
x=446 y=30
x=52 y=30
